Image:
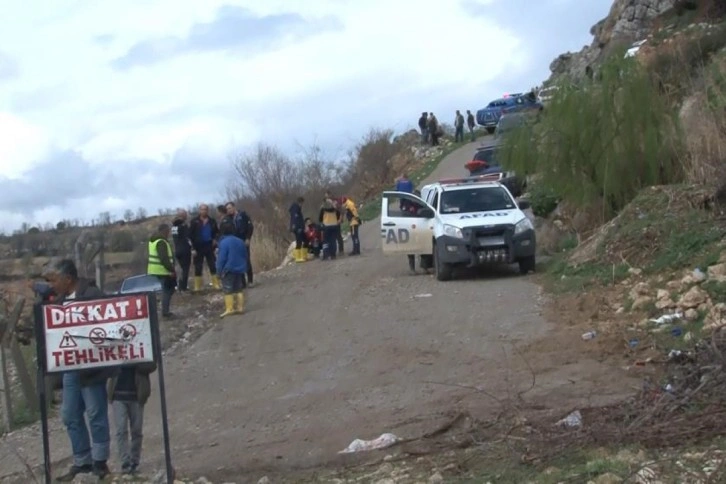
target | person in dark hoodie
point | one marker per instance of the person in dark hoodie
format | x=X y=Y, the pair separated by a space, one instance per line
x=84 y=391
x=128 y=392
x=297 y=227
x=329 y=217
x=161 y=265
x=182 y=248
x=203 y=232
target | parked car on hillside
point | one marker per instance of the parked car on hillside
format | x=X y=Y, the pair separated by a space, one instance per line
x=489 y=116
x=484 y=164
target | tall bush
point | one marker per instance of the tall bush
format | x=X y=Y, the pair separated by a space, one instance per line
x=603 y=140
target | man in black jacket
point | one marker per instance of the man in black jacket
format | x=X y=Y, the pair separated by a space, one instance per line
x=243 y=229
x=203 y=232
x=182 y=247
x=297 y=227
x=84 y=391
x=423 y=126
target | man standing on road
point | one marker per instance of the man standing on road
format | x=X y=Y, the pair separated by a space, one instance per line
x=433 y=126
x=351 y=214
x=128 y=392
x=84 y=391
x=203 y=232
x=340 y=243
x=423 y=126
x=403 y=184
x=243 y=229
x=329 y=218
x=459 y=127
x=297 y=227
x=161 y=265
x=471 y=123
x=182 y=247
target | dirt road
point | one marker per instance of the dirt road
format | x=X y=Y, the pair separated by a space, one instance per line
x=332 y=351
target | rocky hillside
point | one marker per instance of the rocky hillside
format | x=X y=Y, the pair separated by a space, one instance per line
x=627 y=22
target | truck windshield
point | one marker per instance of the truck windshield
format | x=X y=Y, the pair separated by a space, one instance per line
x=482 y=199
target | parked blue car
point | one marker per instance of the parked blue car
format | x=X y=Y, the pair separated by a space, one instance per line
x=489 y=116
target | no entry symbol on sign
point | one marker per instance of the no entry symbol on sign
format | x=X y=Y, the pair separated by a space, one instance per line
x=97 y=336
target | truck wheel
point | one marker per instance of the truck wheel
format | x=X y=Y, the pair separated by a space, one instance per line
x=443 y=271
x=490 y=129
x=526 y=265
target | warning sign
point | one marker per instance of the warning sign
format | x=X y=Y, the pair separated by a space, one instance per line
x=97 y=336
x=67 y=341
x=98 y=333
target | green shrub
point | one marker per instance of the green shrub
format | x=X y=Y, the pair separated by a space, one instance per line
x=543 y=198
x=603 y=140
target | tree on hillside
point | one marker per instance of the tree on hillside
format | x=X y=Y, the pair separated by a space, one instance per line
x=140 y=214
x=128 y=215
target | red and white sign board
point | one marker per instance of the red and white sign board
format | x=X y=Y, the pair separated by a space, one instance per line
x=94 y=334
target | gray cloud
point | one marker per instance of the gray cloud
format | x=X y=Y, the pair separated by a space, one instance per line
x=234 y=29
x=9 y=67
x=66 y=178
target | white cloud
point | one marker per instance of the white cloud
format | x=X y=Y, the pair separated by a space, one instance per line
x=21 y=143
x=369 y=62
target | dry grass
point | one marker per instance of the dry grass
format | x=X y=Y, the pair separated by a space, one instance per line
x=703 y=116
x=267 y=252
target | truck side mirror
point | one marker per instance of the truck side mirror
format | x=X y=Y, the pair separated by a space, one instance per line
x=524 y=204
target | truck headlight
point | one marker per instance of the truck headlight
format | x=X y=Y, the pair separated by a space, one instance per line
x=452 y=231
x=523 y=225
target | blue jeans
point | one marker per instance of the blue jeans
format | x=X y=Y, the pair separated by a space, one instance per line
x=92 y=401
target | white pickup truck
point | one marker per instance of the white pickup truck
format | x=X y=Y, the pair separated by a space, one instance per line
x=464 y=222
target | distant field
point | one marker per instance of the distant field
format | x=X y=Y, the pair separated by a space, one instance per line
x=18 y=267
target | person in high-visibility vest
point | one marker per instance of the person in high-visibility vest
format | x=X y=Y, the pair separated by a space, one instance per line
x=161 y=265
x=351 y=214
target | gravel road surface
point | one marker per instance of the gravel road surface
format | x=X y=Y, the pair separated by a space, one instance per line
x=332 y=351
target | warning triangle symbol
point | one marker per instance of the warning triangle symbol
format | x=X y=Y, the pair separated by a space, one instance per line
x=67 y=341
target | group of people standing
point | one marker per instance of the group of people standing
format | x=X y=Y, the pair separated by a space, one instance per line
x=324 y=238
x=223 y=246
x=432 y=130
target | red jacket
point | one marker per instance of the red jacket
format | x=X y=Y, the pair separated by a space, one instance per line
x=312 y=233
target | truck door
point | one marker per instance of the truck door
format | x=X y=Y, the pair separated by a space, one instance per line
x=407 y=224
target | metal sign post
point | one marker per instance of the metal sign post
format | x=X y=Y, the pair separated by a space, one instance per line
x=98 y=333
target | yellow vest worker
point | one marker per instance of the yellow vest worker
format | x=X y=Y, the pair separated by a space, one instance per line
x=351 y=214
x=161 y=265
x=155 y=266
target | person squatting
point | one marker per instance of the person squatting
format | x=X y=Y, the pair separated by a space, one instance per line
x=323 y=238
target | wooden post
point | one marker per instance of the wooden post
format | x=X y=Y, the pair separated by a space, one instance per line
x=101 y=263
x=5 y=396
x=8 y=342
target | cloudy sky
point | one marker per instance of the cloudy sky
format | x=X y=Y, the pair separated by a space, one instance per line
x=115 y=104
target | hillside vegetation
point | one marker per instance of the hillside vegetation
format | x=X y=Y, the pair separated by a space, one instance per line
x=628 y=170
